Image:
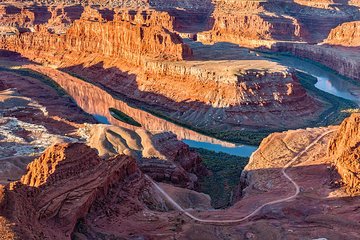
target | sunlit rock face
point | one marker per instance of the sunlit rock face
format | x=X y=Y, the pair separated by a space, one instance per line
x=346 y=34
x=130 y=53
x=97 y=101
x=344 y=150
x=253 y=22
x=95 y=33
x=162 y=156
x=63 y=184
x=343 y=60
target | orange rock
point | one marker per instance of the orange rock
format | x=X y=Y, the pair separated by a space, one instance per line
x=61 y=186
x=344 y=151
x=346 y=34
x=131 y=40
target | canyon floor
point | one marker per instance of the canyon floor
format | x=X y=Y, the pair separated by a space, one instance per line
x=207 y=119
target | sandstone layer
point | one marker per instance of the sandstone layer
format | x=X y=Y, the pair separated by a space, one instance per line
x=162 y=156
x=272 y=23
x=116 y=38
x=346 y=34
x=152 y=65
x=61 y=187
x=343 y=60
x=344 y=150
x=250 y=23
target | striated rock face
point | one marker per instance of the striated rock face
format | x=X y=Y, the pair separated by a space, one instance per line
x=263 y=172
x=42 y=170
x=344 y=151
x=346 y=34
x=129 y=40
x=243 y=21
x=62 y=185
x=161 y=156
x=252 y=22
x=345 y=61
x=235 y=99
x=215 y=89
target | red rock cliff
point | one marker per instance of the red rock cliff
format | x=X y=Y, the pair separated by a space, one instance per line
x=346 y=34
x=62 y=185
x=123 y=37
x=344 y=150
x=253 y=23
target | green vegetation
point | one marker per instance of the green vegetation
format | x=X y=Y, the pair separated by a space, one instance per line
x=224 y=178
x=244 y=136
x=123 y=117
x=235 y=136
x=339 y=108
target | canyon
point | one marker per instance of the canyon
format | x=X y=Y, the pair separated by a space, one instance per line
x=169 y=119
x=223 y=91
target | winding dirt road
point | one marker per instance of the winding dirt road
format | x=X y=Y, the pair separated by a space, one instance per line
x=229 y=221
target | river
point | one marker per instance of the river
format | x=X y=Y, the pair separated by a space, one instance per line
x=97 y=102
x=327 y=80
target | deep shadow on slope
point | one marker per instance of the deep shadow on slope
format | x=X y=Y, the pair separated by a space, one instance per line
x=41 y=89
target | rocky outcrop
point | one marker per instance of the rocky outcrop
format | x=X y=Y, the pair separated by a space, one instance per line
x=236 y=94
x=345 y=61
x=131 y=55
x=344 y=151
x=129 y=40
x=253 y=23
x=243 y=21
x=263 y=171
x=162 y=156
x=346 y=34
x=62 y=185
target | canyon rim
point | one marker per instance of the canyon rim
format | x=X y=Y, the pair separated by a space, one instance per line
x=179 y=119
